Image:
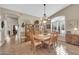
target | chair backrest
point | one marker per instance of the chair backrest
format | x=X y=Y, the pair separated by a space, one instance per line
x=28 y=32
x=32 y=38
x=51 y=37
x=36 y=32
x=54 y=36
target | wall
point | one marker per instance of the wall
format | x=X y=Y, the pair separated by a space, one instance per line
x=2 y=30
x=27 y=20
x=21 y=18
x=72 y=17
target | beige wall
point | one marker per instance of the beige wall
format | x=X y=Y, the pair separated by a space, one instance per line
x=71 y=14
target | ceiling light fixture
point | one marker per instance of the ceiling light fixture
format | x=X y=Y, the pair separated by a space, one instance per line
x=44 y=17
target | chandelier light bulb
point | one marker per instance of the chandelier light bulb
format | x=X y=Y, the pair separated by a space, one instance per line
x=44 y=21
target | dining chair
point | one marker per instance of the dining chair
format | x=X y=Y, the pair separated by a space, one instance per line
x=55 y=38
x=30 y=28
x=34 y=43
x=52 y=41
x=23 y=37
x=27 y=36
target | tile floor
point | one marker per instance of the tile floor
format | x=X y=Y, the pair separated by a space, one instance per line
x=25 y=49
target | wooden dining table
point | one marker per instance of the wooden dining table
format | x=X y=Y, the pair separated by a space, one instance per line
x=42 y=37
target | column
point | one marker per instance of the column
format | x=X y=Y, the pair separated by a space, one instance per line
x=19 y=27
x=2 y=30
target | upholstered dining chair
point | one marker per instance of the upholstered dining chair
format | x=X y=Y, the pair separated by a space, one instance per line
x=34 y=43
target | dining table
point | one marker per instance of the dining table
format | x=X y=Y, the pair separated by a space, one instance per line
x=42 y=37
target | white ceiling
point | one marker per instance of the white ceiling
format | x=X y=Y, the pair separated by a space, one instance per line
x=35 y=9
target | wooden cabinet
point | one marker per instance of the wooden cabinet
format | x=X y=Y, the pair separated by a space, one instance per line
x=72 y=38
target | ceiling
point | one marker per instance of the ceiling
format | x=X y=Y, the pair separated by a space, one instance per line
x=35 y=9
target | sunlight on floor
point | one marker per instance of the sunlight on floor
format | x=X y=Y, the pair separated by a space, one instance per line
x=8 y=39
x=61 y=50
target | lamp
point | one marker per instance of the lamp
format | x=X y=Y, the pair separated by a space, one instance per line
x=75 y=29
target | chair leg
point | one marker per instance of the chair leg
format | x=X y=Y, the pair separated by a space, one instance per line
x=34 y=50
x=49 y=49
x=31 y=47
x=56 y=43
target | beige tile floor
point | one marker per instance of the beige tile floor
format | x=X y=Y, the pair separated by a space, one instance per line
x=25 y=49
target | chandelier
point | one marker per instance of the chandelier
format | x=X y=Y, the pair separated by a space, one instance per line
x=44 y=15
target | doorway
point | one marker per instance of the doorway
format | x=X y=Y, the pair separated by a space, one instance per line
x=11 y=29
x=58 y=25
